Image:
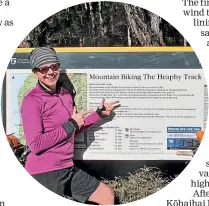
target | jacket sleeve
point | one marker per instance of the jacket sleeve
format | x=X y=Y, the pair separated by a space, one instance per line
x=36 y=139
x=90 y=120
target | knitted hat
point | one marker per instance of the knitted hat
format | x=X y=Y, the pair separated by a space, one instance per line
x=41 y=56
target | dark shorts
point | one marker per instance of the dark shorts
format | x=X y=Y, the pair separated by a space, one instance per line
x=72 y=182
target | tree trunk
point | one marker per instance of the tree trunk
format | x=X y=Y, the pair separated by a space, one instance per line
x=92 y=20
x=100 y=20
x=129 y=37
x=104 y=24
x=137 y=25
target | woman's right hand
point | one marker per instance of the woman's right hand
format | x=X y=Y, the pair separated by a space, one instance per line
x=79 y=117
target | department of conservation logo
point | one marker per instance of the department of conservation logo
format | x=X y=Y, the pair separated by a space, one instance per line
x=19 y=61
x=13 y=61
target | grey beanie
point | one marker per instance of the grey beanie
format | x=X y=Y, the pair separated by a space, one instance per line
x=41 y=56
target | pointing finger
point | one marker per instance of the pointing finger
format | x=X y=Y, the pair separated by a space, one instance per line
x=85 y=113
x=114 y=102
x=102 y=103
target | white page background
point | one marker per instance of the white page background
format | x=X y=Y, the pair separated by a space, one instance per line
x=17 y=187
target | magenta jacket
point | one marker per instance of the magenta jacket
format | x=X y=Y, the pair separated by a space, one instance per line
x=43 y=115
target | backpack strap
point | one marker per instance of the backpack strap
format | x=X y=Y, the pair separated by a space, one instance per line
x=65 y=82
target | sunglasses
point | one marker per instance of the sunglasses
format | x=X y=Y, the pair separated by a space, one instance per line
x=45 y=69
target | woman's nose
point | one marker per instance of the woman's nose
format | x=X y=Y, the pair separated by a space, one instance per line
x=50 y=71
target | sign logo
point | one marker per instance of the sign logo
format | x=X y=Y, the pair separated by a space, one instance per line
x=13 y=61
x=19 y=61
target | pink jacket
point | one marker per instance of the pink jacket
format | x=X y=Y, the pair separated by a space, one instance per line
x=43 y=115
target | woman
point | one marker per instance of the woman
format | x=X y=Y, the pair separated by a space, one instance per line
x=50 y=122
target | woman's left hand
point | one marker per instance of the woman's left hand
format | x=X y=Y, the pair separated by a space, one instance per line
x=108 y=106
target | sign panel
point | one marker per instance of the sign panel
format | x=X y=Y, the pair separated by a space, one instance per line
x=161 y=108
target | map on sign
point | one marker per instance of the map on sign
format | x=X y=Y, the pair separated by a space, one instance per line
x=21 y=82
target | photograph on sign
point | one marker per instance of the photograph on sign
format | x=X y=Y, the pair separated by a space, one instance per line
x=121 y=96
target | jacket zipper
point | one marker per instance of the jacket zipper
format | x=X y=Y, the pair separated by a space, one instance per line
x=63 y=105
